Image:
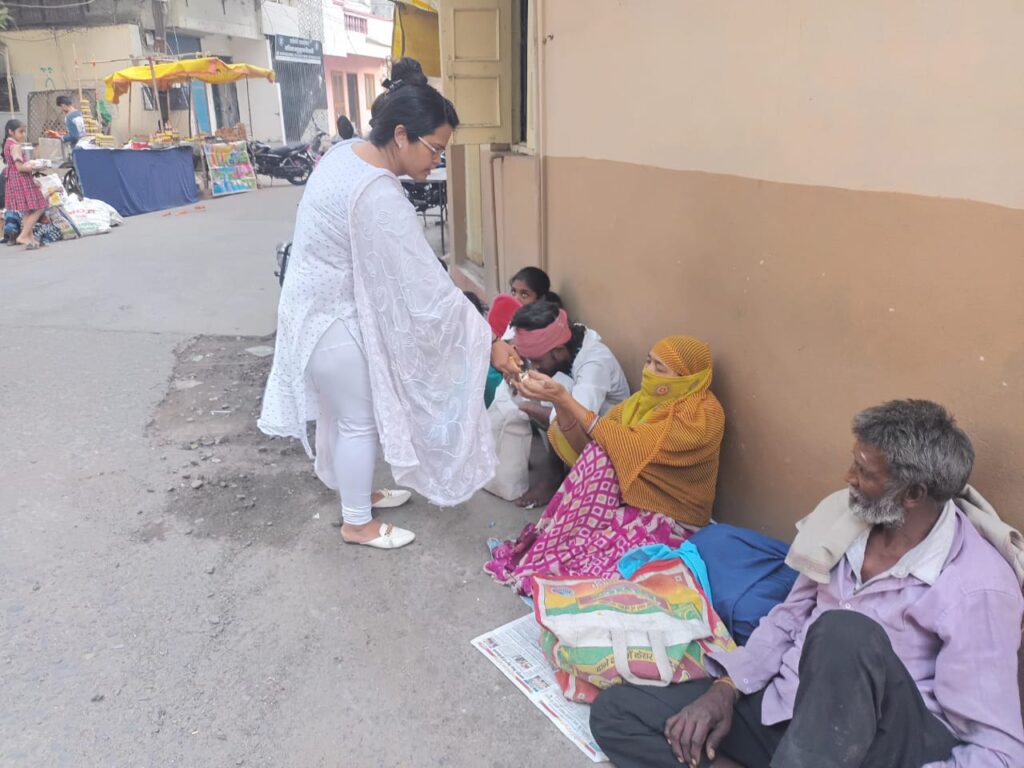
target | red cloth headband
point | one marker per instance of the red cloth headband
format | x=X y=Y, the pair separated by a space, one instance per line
x=538 y=343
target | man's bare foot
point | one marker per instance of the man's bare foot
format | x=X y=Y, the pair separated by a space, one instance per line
x=360 y=534
x=538 y=496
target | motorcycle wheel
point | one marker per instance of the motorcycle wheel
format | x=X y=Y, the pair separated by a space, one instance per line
x=298 y=168
x=71 y=183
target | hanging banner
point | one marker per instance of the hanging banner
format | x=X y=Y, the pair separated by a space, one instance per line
x=230 y=168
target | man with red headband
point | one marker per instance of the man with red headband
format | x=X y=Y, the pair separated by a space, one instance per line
x=582 y=363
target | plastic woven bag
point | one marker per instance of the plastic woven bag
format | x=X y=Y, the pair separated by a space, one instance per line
x=62 y=221
x=653 y=629
x=89 y=216
x=52 y=189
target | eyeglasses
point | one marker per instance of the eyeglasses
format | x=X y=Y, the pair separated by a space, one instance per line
x=437 y=151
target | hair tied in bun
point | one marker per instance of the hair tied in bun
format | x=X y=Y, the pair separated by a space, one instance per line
x=410 y=102
x=408 y=71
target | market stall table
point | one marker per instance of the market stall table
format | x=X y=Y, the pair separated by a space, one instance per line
x=138 y=181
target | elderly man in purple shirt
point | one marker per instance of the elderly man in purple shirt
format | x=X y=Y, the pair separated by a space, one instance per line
x=905 y=658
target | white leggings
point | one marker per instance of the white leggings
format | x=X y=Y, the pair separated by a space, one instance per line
x=346 y=432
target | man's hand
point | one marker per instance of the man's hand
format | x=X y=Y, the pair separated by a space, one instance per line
x=537 y=386
x=505 y=358
x=702 y=725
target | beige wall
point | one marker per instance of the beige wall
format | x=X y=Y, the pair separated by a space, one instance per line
x=33 y=50
x=817 y=302
x=908 y=96
x=516 y=214
x=827 y=192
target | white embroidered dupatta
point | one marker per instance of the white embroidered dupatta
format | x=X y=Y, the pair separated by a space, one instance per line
x=427 y=347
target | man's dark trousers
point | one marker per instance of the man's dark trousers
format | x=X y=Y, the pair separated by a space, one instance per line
x=856 y=706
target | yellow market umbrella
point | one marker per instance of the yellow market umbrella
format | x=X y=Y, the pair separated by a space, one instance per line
x=415 y=34
x=209 y=70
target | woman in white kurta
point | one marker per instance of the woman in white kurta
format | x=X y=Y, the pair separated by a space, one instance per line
x=374 y=341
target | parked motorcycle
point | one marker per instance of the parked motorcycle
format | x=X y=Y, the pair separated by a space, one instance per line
x=284 y=250
x=318 y=146
x=291 y=162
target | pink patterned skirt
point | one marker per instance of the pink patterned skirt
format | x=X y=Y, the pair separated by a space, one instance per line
x=585 y=530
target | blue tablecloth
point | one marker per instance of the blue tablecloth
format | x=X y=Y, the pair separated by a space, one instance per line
x=138 y=181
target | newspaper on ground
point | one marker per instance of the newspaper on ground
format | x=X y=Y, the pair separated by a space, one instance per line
x=515 y=649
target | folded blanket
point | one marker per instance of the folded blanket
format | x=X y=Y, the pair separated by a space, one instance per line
x=824 y=535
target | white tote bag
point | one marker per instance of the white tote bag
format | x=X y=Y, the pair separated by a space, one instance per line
x=512 y=436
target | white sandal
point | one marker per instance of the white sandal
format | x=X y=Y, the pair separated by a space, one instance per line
x=391 y=499
x=390 y=537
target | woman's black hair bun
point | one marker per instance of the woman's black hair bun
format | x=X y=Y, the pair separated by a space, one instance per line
x=408 y=71
x=409 y=102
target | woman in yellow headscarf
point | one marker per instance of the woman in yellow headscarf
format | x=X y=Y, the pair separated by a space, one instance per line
x=642 y=474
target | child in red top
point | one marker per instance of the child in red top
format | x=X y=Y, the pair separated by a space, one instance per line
x=22 y=194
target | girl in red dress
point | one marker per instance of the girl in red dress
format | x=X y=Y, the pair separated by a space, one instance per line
x=22 y=193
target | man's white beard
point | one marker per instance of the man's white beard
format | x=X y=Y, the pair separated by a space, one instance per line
x=886 y=511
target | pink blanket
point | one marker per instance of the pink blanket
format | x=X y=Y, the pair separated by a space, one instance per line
x=584 y=531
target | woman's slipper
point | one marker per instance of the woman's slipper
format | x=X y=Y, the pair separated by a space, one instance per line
x=390 y=538
x=391 y=499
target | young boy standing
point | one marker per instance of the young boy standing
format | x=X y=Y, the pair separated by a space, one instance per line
x=72 y=119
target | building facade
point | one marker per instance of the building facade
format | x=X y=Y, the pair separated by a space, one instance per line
x=357 y=44
x=58 y=50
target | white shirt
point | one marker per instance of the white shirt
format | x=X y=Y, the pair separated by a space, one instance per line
x=923 y=562
x=597 y=381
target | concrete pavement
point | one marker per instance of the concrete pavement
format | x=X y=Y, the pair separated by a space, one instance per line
x=140 y=627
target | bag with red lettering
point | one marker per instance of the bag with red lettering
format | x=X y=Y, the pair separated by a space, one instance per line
x=652 y=629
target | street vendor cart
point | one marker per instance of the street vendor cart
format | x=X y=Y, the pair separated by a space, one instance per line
x=159 y=173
